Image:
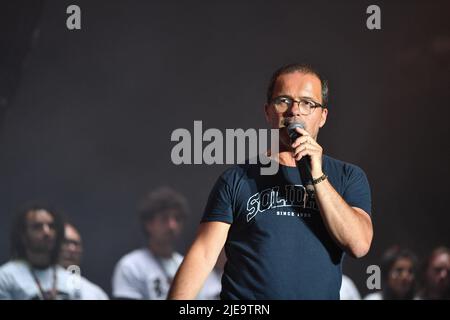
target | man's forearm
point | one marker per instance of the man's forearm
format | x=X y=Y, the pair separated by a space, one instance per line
x=351 y=228
x=190 y=276
x=200 y=260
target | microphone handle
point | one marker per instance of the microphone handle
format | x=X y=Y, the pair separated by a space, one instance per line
x=303 y=165
x=305 y=170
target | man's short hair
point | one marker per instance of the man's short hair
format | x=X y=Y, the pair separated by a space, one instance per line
x=297 y=67
x=19 y=226
x=160 y=201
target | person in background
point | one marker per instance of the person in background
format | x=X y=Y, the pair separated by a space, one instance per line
x=348 y=291
x=398 y=275
x=70 y=256
x=435 y=277
x=33 y=273
x=147 y=273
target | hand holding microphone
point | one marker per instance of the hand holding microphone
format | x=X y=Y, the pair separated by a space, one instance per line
x=307 y=152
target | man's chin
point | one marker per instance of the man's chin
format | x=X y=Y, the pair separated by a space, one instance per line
x=67 y=263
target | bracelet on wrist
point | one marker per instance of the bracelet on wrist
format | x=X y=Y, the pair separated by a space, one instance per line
x=320 y=179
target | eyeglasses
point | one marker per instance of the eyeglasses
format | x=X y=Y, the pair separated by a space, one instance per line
x=68 y=242
x=305 y=105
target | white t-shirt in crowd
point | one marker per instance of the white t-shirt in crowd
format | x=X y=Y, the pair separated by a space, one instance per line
x=374 y=296
x=140 y=275
x=348 y=289
x=17 y=282
x=90 y=291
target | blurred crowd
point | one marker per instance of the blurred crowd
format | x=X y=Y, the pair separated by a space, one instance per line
x=404 y=278
x=46 y=253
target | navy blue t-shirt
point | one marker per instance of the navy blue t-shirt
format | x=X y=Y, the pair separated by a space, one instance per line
x=278 y=246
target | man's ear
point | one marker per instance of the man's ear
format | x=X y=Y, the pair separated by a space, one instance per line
x=323 y=117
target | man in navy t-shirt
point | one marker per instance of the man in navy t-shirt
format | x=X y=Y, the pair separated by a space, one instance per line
x=284 y=234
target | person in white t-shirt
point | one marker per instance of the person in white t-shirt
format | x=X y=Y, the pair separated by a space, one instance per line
x=147 y=273
x=70 y=259
x=348 y=289
x=33 y=272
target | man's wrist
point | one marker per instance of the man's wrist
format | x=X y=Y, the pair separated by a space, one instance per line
x=316 y=174
x=319 y=179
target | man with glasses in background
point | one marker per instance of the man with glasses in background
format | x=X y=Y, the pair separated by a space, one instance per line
x=70 y=259
x=285 y=234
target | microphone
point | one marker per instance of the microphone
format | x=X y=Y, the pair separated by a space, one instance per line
x=304 y=164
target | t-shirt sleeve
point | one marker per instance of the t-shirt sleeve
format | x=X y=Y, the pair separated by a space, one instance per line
x=357 y=191
x=125 y=283
x=220 y=202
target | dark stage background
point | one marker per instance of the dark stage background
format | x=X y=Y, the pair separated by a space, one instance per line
x=86 y=116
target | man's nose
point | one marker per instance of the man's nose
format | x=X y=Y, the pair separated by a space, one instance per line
x=294 y=110
x=406 y=275
x=173 y=223
x=46 y=229
x=444 y=273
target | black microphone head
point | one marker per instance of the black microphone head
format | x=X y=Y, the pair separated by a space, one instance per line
x=292 y=133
